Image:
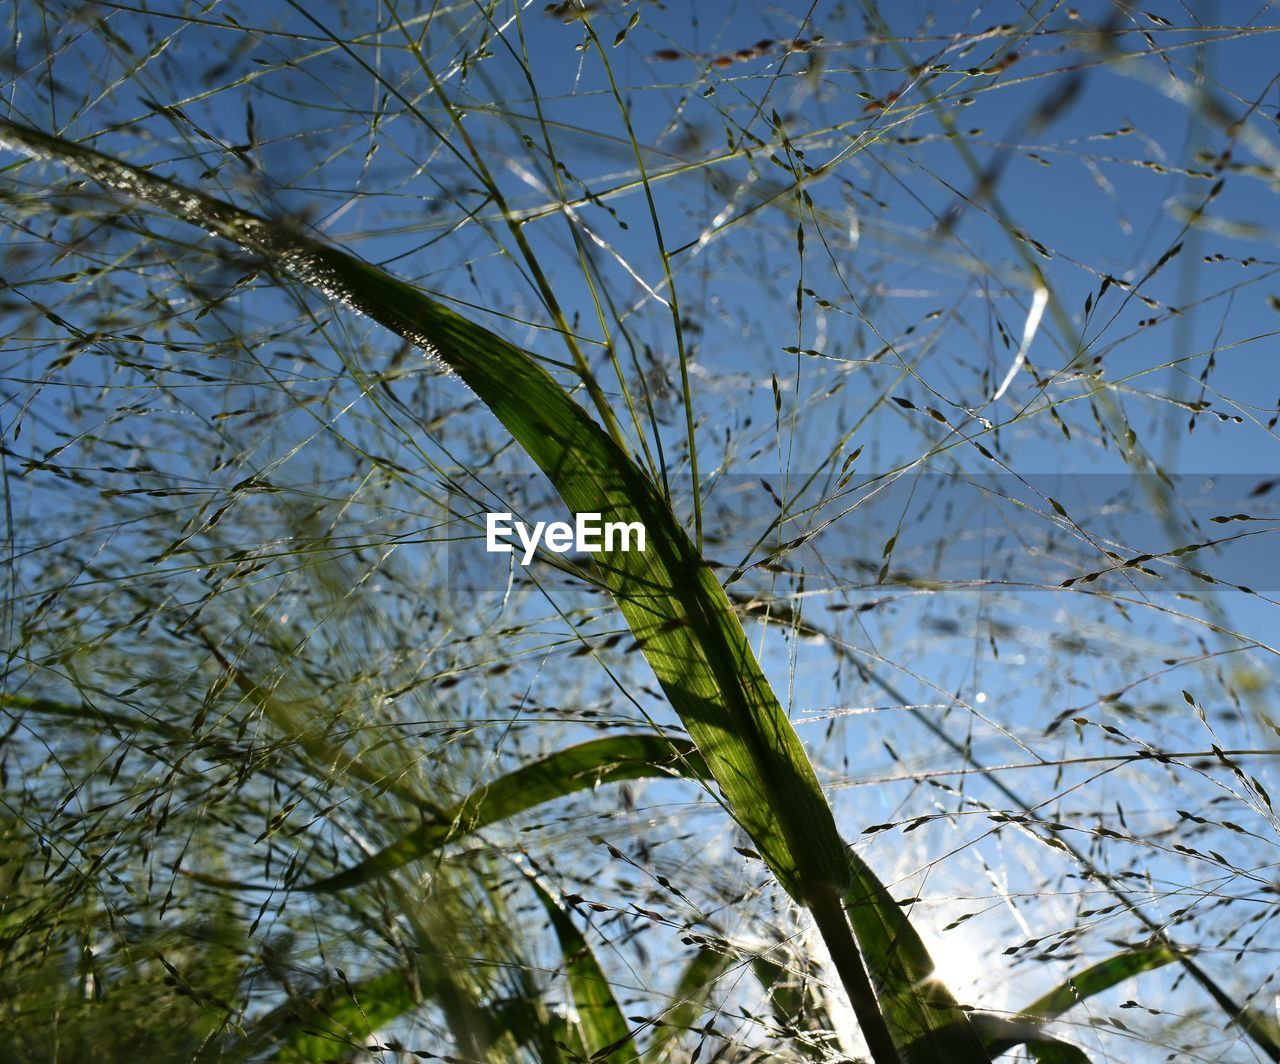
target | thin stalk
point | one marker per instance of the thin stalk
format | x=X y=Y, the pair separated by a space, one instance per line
x=828 y=913
x=673 y=300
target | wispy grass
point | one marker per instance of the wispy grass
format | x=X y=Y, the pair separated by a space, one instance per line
x=890 y=746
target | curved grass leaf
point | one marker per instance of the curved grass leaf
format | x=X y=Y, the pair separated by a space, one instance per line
x=576 y=768
x=1001 y=1034
x=676 y=608
x=1099 y=977
x=606 y=1035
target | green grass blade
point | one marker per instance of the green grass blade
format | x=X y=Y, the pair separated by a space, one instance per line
x=1000 y=1034
x=606 y=1035
x=576 y=768
x=1099 y=977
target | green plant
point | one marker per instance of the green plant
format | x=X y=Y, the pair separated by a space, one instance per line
x=334 y=727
